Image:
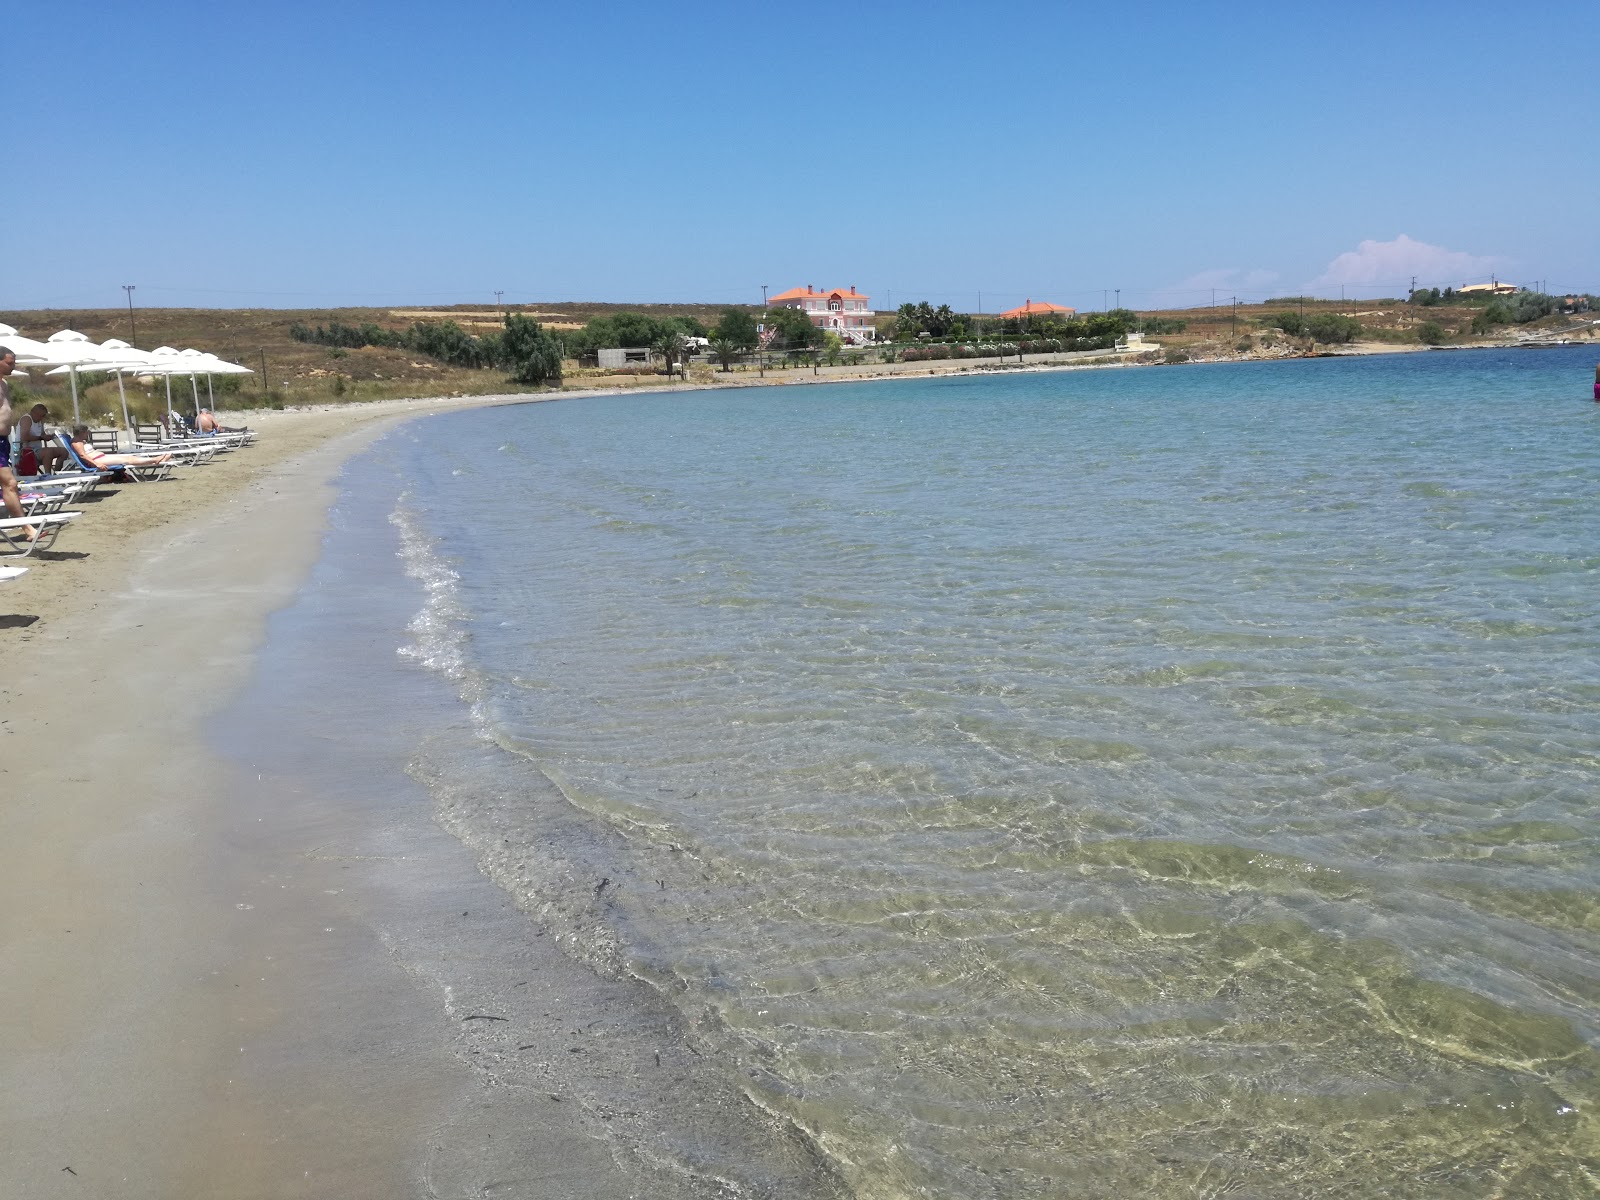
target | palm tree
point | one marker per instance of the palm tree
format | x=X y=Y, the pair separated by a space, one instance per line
x=726 y=350
x=670 y=346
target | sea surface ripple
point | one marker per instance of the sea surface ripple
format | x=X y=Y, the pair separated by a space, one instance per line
x=1165 y=782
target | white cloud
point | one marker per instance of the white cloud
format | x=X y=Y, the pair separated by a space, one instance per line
x=1392 y=264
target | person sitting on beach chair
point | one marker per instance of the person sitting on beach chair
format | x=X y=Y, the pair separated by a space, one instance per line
x=32 y=435
x=84 y=449
x=206 y=423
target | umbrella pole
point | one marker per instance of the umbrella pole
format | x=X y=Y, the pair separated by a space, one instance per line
x=123 y=392
x=169 y=403
x=194 y=386
x=72 y=374
x=211 y=397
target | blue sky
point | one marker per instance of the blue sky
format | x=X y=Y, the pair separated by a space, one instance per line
x=317 y=155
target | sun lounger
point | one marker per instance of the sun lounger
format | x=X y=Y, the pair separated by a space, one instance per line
x=48 y=526
x=84 y=481
x=192 y=453
x=43 y=498
x=138 y=474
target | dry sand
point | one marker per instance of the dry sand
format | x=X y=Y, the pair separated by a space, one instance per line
x=190 y=1001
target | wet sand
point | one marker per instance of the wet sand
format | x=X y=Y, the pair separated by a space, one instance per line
x=215 y=983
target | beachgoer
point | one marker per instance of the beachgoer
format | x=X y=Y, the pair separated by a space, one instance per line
x=8 y=477
x=84 y=449
x=206 y=423
x=1597 y=381
x=32 y=435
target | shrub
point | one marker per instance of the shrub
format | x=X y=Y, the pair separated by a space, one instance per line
x=1291 y=323
x=1530 y=306
x=1496 y=313
x=531 y=352
x=1175 y=356
x=1431 y=333
x=1333 y=327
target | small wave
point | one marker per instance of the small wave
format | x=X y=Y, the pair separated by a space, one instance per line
x=438 y=641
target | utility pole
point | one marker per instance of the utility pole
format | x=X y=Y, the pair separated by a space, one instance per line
x=763 y=297
x=133 y=328
x=263 y=372
x=499 y=305
x=1119 y=297
x=1233 y=321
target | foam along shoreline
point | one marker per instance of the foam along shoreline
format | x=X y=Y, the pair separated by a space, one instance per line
x=193 y=1002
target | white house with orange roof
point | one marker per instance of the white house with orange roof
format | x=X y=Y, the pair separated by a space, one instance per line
x=843 y=311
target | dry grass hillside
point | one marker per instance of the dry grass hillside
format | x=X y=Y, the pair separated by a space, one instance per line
x=292 y=372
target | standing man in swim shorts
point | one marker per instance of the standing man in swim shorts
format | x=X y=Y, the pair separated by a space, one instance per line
x=8 y=477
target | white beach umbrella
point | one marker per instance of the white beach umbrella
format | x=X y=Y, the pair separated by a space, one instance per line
x=25 y=348
x=164 y=361
x=195 y=363
x=209 y=364
x=73 y=350
x=186 y=361
x=124 y=357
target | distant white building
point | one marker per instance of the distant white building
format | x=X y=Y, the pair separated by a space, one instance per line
x=845 y=312
x=1495 y=288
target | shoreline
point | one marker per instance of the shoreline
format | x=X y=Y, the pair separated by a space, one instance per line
x=120 y=947
x=219 y=978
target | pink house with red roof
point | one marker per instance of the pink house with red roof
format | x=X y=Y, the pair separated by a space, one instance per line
x=843 y=311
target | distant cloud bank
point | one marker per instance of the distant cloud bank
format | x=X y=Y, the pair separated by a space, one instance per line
x=1392 y=264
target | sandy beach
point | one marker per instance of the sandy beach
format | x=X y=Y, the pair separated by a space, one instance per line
x=212 y=984
x=201 y=990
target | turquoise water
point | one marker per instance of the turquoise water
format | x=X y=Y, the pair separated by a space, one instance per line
x=1155 y=782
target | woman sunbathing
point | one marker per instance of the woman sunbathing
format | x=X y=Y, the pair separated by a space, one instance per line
x=84 y=449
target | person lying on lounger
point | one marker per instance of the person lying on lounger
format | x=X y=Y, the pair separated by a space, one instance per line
x=84 y=449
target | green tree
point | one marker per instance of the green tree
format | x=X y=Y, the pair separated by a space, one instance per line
x=670 y=345
x=793 y=330
x=737 y=327
x=532 y=353
x=636 y=329
x=906 y=323
x=726 y=350
x=1431 y=333
x=1530 y=306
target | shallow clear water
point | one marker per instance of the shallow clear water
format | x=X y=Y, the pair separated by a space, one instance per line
x=1162 y=782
